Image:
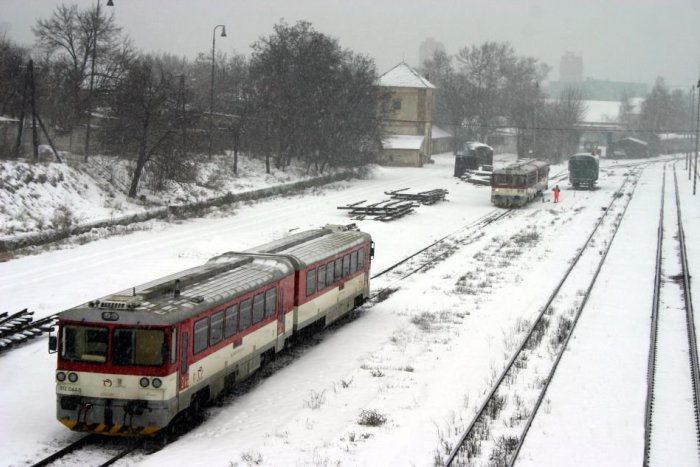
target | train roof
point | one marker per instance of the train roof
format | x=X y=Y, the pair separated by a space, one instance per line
x=583 y=155
x=219 y=280
x=157 y=303
x=307 y=248
x=522 y=166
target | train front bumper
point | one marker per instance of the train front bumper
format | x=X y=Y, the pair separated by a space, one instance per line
x=114 y=416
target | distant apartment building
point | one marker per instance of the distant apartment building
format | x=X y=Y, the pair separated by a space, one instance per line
x=599 y=89
x=427 y=49
x=571 y=67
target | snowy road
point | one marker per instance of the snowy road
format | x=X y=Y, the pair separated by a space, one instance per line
x=423 y=358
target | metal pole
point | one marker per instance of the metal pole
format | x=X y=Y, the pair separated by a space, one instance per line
x=690 y=126
x=690 y=130
x=211 y=95
x=697 y=136
x=92 y=80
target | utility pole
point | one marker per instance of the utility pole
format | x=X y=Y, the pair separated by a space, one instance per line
x=211 y=96
x=697 y=136
x=690 y=130
x=95 y=32
x=689 y=134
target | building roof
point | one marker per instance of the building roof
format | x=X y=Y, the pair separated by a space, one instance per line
x=439 y=132
x=403 y=76
x=403 y=142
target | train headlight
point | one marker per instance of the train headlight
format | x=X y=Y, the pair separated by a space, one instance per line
x=72 y=377
x=61 y=376
x=157 y=383
x=144 y=382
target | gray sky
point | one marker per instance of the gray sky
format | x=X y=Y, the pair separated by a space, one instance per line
x=623 y=40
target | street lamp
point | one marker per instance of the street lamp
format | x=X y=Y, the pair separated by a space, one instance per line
x=96 y=27
x=211 y=100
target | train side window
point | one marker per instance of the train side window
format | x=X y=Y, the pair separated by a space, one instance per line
x=338 y=270
x=201 y=335
x=231 y=322
x=270 y=303
x=346 y=265
x=216 y=328
x=353 y=262
x=329 y=273
x=258 y=307
x=321 y=277
x=361 y=258
x=245 y=317
x=310 y=281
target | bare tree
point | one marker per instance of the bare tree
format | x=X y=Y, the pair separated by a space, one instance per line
x=145 y=113
x=87 y=45
x=560 y=117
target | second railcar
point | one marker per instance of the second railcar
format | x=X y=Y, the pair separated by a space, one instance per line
x=519 y=183
x=583 y=170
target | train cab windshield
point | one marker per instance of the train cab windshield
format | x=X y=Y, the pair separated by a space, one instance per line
x=130 y=346
x=501 y=179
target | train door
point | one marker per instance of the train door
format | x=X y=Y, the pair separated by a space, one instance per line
x=184 y=364
x=280 y=313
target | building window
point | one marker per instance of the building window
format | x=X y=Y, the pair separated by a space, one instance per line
x=396 y=104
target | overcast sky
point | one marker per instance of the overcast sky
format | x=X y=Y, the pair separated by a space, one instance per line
x=623 y=40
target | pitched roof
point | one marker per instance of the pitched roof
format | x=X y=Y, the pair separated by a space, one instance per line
x=402 y=141
x=403 y=76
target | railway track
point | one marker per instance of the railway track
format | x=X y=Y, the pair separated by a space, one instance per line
x=498 y=429
x=92 y=447
x=20 y=327
x=435 y=252
x=672 y=420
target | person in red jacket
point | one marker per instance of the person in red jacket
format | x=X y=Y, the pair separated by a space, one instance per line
x=556 y=193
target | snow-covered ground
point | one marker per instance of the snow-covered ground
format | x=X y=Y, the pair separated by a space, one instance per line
x=46 y=195
x=423 y=358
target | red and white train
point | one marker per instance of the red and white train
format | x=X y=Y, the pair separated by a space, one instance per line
x=131 y=362
x=519 y=183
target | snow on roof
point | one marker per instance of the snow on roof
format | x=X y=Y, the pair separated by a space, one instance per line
x=476 y=144
x=440 y=133
x=403 y=142
x=403 y=76
x=673 y=136
x=638 y=141
x=608 y=111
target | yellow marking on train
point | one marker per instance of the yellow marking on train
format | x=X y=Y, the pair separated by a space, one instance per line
x=149 y=430
x=69 y=423
x=100 y=427
x=115 y=429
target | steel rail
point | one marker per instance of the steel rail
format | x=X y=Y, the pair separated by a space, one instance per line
x=579 y=311
x=67 y=450
x=653 y=340
x=690 y=315
x=480 y=412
